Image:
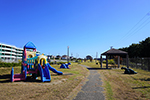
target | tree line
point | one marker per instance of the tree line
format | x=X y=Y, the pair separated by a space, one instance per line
x=141 y=49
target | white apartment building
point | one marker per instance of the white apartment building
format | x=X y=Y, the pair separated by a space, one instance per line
x=10 y=53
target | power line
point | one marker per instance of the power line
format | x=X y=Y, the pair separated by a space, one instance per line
x=140 y=28
x=133 y=29
x=141 y=24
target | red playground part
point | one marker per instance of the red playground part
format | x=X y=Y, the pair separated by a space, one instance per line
x=17 y=77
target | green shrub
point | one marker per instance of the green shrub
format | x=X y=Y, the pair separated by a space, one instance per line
x=5 y=64
x=51 y=63
x=61 y=63
x=111 y=61
x=104 y=61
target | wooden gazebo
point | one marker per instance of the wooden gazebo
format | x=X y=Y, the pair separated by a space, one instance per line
x=116 y=52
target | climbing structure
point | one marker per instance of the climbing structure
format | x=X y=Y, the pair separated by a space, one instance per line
x=33 y=64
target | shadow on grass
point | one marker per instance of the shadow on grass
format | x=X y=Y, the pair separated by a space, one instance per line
x=142 y=87
x=55 y=74
x=98 y=68
x=5 y=78
x=129 y=74
x=142 y=79
x=89 y=68
x=31 y=79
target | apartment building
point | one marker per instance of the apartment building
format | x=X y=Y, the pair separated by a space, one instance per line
x=10 y=53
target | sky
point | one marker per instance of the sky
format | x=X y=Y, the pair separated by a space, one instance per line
x=86 y=26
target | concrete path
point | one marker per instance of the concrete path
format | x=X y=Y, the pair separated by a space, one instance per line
x=92 y=90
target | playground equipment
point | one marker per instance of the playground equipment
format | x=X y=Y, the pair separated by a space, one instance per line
x=33 y=64
x=65 y=66
x=128 y=71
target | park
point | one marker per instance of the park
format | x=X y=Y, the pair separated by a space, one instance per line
x=108 y=82
x=74 y=50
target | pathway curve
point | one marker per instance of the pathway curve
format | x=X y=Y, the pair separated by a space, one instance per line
x=92 y=90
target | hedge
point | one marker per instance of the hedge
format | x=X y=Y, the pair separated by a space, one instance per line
x=4 y=64
x=51 y=63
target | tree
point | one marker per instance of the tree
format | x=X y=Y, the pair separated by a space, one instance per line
x=134 y=50
x=145 y=47
x=142 y=49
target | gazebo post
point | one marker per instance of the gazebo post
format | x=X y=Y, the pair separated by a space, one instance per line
x=113 y=51
x=118 y=61
x=106 y=61
x=127 y=59
x=101 y=61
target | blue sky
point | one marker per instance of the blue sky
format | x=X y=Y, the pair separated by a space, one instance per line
x=86 y=26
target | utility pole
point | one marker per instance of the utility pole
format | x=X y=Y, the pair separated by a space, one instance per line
x=68 y=54
x=96 y=56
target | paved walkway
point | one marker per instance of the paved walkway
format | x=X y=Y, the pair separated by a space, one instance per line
x=92 y=90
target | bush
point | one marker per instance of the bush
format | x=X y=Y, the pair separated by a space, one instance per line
x=61 y=63
x=104 y=61
x=51 y=63
x=4 y=64
x=111 y=61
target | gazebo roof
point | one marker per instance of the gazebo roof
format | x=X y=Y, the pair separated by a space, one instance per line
x=114 y=52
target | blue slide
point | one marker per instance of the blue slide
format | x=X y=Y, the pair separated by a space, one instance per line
x=54 y=70
x=44 y=72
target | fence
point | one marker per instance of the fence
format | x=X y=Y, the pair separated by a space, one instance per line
x=141 y=63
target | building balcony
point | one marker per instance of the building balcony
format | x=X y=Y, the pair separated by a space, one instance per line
x=18 y=57
x=8 y=49
x=18 y=54
x=19 y=51
x=7 y=56
x=10 y=53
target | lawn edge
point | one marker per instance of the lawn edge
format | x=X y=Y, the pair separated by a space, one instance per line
x=78 y=88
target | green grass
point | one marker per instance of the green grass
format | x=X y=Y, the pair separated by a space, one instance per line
x=120 y=86
x=109 y=91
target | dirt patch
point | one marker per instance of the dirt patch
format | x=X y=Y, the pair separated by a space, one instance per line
x=58 y=89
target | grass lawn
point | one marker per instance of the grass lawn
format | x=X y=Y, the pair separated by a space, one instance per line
x=120 y=86
x=117 y=85
x=58 y=89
